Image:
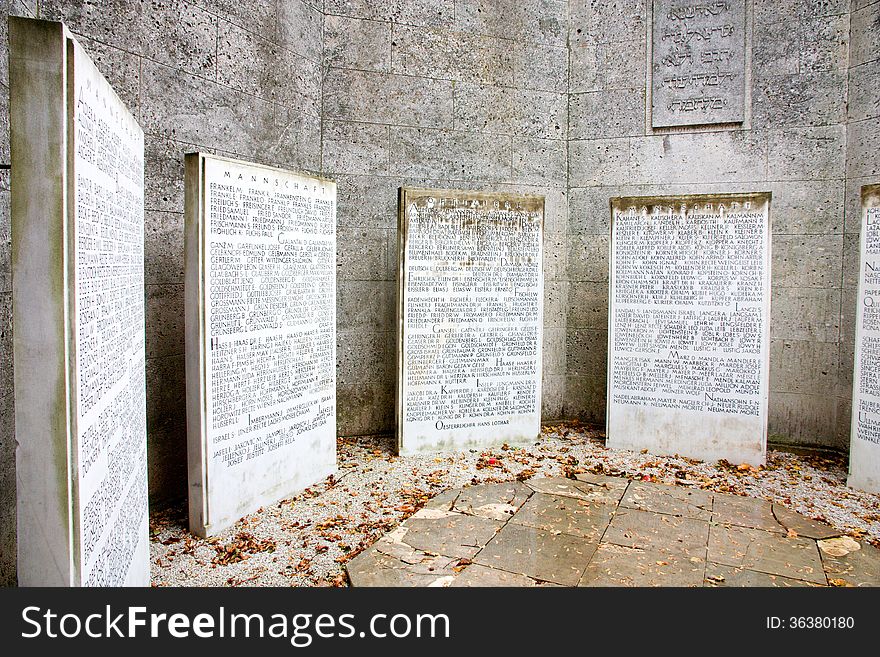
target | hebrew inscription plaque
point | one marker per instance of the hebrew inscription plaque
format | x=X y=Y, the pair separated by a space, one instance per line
x=698 y=66
x=688 y=339
x=78 y=233
x=261 y=336
x=470 y=319
x=864 y=453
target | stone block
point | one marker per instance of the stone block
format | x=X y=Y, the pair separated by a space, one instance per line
x=358 y=44
x=586 y=351
x=521 y=112
x=807 y=153
x=588 y=258
x=610 y=113
x=599 y=162
x=783 y=101
x=361 y=254
x=815 y=208
x=539 y=161
x=585 y=397
x=421 y=13
x=359 y=148
x=447 y=55
x=810 y=314
x=405 y=100
x=262 y=68
x=588 y=306
x=450 y=155
x=164 y=317
x=364 y=356
x=163 y=248
x=862 y=91
x=607 y=22
x=365 y=407
x=597 y=66
x=865 y=40
x=699 y=158
x=366 y=201
x=299 y=28
x=367 y=306
x=807 y=260
x=800 y=419
x=803 y=367
x=544 y=68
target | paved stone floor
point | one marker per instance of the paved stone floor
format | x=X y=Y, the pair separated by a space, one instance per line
x=609 y=531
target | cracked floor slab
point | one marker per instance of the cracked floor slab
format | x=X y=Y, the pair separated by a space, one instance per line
x=598 y=530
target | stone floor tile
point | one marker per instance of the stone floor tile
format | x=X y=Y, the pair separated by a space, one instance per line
x=374 y=568
x=766 y=552
x=542 y=555
x=450 y=534
x=495 y=501
x=685 y=502
x=857 y=568
x=478 y=575
x=802 y=525
x=614 y=565
x=745 y=512
x=658 y=532
x=601 y=492
x=719 y=575
x=568 y=515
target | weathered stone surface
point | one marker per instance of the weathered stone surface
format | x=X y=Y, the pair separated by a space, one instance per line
x=801 y=525
x=857 y=568
x=658 y=533
x=450 y=534
x=615 y=565
x=597 y=489
x=565 y=514
x=374 y=568
x=683 y=502
x=477 y=575
x=698 y=63
x=542 y=555
x=767 y=552
x=745 y=512
x=493 y=501
x=718 y=575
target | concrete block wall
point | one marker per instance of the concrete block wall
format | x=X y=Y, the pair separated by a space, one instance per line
x=793 y=143
x=467 y=94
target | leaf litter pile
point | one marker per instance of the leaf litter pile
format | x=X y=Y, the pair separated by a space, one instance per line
x=306 y=540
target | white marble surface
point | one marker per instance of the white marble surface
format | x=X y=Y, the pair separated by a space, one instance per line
x=261 y=336
x=864 y=452
x=471 y=320
x=688 y=339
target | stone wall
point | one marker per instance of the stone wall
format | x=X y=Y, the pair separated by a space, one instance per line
x=793 y=143
x=535 y=96
x=436 y=93
x=862 y=164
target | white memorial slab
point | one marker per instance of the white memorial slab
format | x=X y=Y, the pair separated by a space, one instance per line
x=78 y=295
x=864 y=451
x=260 y=336
x=470 y=319
x=689 y=326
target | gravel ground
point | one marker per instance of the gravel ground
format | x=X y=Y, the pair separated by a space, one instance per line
x=306 y=540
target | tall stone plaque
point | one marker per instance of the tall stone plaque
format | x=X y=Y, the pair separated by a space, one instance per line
x=470 y=318
x=78 y=295
x=689 y=326
x=698 y=63
x=864 y=451
x=260 y=336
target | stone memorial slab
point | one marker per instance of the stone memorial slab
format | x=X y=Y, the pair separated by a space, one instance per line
x=260 y=336
x=470 y=318
x=689 y=326
x=698 y=63
x=78 y=295
x=864 y=450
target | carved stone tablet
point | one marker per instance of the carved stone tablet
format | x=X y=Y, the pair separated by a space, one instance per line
x=260 y=336
x=78 y=293
x=864 y=451
x=689 y=326
x=470 y=318
x=698 y=62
